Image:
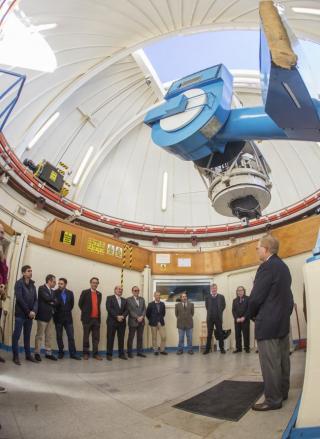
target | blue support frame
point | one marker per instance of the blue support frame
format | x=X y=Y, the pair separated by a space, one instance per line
x=291 y=432
x=17 y=84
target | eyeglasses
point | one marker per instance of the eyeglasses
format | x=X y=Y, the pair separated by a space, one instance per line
x=136 y=291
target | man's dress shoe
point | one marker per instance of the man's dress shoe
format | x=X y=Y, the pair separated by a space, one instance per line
x=51 y=357
x=37 y=357
x=264 y=407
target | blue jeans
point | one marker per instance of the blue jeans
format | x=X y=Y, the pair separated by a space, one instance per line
x=182 y=333
x=26 y=324
x=70 y=334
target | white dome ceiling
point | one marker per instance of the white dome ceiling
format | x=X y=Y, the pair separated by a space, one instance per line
x=102 y=94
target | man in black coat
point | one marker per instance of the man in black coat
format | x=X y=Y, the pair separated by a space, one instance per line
x=215 y=305
x=116 y=322
x=62 y=317
x=155 y=313
x=25 y=311
x=241 y=320
x=90 y=304
x=44 y=317
x=270 y=306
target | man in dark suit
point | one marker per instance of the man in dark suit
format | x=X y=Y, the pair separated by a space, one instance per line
x=270 y=306
x=25 y=312
x=62 y=317
x=44 y=317
x=184 y=311
x=155 y=314
x=241 y=320
x=116 y=322
x=215 y=305
x=137 y=311
x=90 y=304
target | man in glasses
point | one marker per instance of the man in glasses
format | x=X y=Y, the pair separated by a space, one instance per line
x=270 y=306
x=137 y=312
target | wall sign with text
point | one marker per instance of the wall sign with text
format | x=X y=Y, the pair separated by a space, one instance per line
x=67 y=238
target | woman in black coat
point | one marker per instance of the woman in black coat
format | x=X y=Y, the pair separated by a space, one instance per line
x=241 y=320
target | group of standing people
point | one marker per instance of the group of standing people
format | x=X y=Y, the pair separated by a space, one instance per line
x=269 y=305
x=52 y=308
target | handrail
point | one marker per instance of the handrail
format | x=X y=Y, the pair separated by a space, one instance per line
x=27 y=177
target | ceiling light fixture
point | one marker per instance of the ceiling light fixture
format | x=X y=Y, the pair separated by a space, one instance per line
x=82 y=166
x=43 y=129
x=311 y=11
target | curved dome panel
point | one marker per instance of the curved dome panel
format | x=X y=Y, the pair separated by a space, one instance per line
x=128 y=182
x=102 y=92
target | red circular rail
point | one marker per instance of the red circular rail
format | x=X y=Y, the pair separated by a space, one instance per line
x=25 y=175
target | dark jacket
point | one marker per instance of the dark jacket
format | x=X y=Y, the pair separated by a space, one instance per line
x=271 y=300
x=26 y=298
x=46 y=304
x=184 y=315
x=63 y=311
x=114 y=310
x=240 y=309
x=153 y=315
x=221 y=304
x=86 y=306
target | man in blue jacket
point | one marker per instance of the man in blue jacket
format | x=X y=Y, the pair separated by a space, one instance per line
x=155 y=313
x=25 y=312
x=64 y=302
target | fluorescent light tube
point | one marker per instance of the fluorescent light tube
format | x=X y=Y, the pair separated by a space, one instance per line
x=82 y=166
x=43 y=129
x=311 y=11
x=164 y=191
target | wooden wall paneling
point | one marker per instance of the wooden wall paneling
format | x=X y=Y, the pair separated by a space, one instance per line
x=76 y=240
x=8 y=229
x=113 y=252
x=66 y=237
x=239 y=256
x=299 y=237
x=296 y=238
x=202 y=263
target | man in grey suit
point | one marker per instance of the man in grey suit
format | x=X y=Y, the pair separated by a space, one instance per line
x=137 y=312
x=184 y=311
